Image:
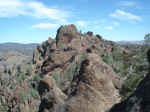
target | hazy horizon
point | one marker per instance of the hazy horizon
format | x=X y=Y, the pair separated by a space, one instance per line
x=11 y=42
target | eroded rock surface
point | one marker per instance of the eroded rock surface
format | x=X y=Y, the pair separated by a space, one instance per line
x=92 y=90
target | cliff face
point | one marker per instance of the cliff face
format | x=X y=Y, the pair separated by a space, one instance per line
x=83 y=81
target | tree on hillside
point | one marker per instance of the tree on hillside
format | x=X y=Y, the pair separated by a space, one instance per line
x=147 y=39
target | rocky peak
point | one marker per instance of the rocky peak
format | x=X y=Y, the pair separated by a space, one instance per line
x=65 y=34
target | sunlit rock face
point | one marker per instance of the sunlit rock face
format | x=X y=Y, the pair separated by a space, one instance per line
x=65 y=34
x=93 y=89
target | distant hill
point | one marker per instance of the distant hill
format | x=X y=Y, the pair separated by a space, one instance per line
x=26 y=49
x=131 y=42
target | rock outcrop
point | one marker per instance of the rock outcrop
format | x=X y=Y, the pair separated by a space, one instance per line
x=69 y=44
x=50 y=94
x=65 y=35
x=83 y=82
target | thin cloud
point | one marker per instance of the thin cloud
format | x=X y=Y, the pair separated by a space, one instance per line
x=45 y=25
x=9 y=8
x=39 y=10
x=128 y=3
x=122 y=15
x=14 y=3
x=112 y=25
x=115 y=23
x=109 y=27
x=81 y=23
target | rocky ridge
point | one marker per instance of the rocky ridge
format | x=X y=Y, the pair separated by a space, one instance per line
x=82 y=78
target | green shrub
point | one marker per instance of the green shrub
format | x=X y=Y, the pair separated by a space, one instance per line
x=116 y=52
x=21 y=77
x=74 y=68
x=57 y=78
x=108 y=59
x=37 y=78
x=34 y=94
x=28 y=69
x=70 y=71
x=23 y=97
x=130 y=85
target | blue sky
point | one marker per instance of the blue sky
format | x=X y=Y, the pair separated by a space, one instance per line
x=32 y=21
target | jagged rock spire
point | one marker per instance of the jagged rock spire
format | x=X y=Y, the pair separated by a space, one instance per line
x=65 y=34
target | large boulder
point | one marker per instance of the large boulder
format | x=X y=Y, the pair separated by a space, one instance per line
x=93 y=89
x=50 y=94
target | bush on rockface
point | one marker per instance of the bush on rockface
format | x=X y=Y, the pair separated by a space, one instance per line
x=108 y=59
x=130 y=85
x=57 y=77
x=70 y=71
x=33 y=86
x=147 y=39
x=75 y=67
x=116 y=53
